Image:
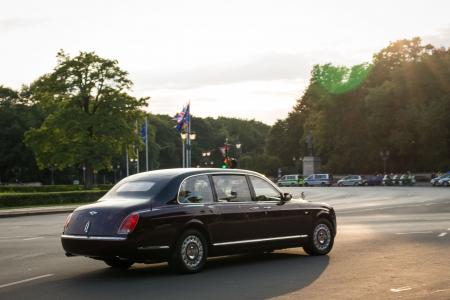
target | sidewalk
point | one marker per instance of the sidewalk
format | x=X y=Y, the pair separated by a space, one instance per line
x=30 y=211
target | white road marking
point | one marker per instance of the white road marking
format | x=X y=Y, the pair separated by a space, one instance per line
x=442 y=234
x=25 y=280
x=413 y=232
x=401 y=289
x=33 y=238
x=439 y=291
x=13 y=237
x=448 y=229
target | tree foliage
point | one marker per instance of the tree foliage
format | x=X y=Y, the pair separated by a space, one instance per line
x=399 y=103
x=90 y=116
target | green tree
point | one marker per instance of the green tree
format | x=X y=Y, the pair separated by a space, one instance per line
x=17 y=161
x=91 y=117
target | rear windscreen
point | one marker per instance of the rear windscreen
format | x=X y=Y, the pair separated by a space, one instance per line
x=139 y=188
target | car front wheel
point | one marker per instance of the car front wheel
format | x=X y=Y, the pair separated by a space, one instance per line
x=190 y=253
x=321 y=240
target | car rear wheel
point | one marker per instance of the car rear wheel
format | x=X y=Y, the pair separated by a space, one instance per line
x=117 y=263
x=321 y=239
x=445 y=183
x=190 y=253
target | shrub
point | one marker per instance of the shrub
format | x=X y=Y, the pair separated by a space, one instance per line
x=39 y=198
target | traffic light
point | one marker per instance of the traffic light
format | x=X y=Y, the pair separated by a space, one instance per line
x=225 y=163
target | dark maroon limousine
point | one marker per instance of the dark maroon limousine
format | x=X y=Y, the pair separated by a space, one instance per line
x=185 y=215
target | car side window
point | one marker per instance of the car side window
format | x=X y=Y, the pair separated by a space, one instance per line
x=232 y=188
x=264 y=191
x=196 y=189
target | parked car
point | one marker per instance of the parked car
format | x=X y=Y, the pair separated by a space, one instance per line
x=290 y=180
x=184 y=216
x=318 y=179
x=435 y=180
x=444 y=180
x=352 y=180
x=374 y=180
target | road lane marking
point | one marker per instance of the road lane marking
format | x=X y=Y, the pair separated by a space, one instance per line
x=25 y=280
x=413 y=232
x=401 y=289
x=33 y=238
x=13 y=237
x=442 y=234
x=439 y=291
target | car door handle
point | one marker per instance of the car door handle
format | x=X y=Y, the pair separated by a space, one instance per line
x=254 y=208
x=267 y=207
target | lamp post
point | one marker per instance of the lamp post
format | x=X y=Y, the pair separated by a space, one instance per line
x=296 y=162
x=84 y=174
x=52 y=171
x=205 y=157
x=238 y=153
x=192 y=137
x=384 y=156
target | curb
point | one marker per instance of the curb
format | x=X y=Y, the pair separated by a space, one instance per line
x=20 y=212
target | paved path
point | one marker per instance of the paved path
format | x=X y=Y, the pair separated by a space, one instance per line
x=392 y=243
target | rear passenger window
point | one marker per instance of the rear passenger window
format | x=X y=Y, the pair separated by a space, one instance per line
x=232 y=188
x=196 y=189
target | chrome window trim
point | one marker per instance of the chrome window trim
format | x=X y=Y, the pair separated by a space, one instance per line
x=96 y=238
x=153 y=247
x=190 y=176
x=261 y=240
x=226 y=173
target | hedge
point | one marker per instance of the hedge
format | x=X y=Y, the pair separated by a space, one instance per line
x=50 y=188
x=31 y=199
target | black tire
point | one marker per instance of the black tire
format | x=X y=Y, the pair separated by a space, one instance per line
x=120 y=264
x=340 y=184
x=190 y=252
x=445 y=183
x=321 y=238
x=305 y=184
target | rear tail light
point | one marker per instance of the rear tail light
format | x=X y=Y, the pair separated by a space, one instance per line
x=66 y=224
x=128 y=224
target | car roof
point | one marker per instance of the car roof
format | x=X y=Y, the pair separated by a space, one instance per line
x=185 y=172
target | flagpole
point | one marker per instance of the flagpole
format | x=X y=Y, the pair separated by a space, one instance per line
x=183 y=152
x=126 y=158
x=146 y=144
x=137 y=150
x=188 y=138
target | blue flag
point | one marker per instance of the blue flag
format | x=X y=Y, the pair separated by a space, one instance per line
x=144 y=131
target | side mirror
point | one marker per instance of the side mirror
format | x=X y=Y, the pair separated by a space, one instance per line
x=287 y=197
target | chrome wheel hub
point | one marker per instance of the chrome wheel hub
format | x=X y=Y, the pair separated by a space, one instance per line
x=192 y=251
x=322 y=237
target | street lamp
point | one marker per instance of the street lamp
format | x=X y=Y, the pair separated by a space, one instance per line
x=205 y=157
x=384 y=156
x=296 y=162
x=238 y=153
x=52 y=171
x=84 y=174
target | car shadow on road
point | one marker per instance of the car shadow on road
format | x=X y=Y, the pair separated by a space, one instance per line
x=231 y=277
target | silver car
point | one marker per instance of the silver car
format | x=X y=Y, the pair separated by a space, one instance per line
x=352 y=180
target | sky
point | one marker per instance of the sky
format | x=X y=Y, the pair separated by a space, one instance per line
x=245 y=59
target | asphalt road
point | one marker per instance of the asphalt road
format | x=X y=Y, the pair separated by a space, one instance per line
x=392 y=242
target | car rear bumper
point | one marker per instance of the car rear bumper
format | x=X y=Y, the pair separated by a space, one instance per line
x=105 y=246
